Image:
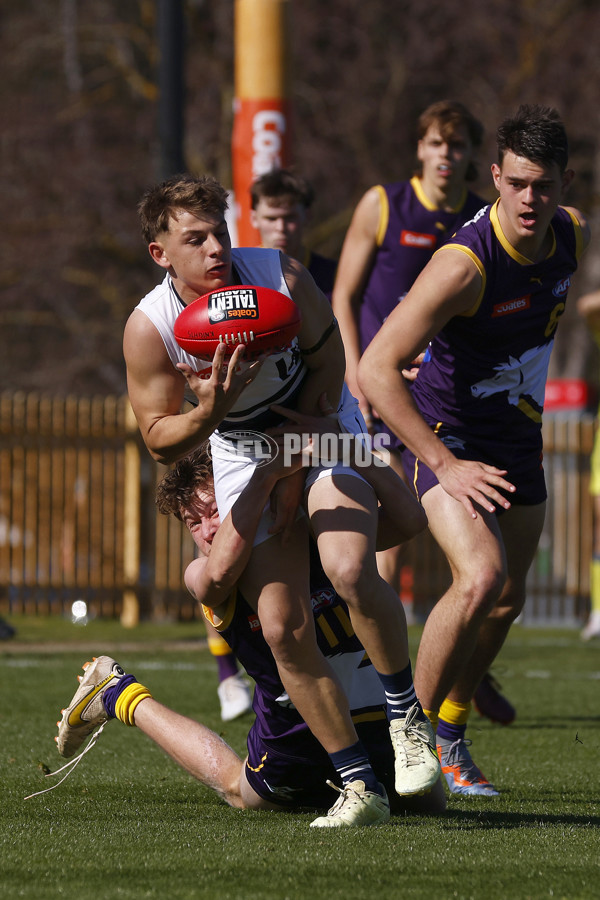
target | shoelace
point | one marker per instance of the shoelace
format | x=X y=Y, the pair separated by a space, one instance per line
x=411 y=730
x=70 y=766
x=453 y=757
x=455 y=747
x=345 y=793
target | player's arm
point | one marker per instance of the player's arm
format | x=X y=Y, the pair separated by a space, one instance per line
x=356 y=262
x=448 y=286
x=210 y=580
x=586 y=233
x=156 y=391
x=588 y=306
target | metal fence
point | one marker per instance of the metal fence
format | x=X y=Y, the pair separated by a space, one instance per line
x=78 y=520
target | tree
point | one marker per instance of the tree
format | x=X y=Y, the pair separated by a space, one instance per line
x=80 y=139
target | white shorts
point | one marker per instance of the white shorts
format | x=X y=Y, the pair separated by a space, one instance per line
x=232 y=470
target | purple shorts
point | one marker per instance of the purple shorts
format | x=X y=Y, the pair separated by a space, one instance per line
x=524 y=467
x=292 y=771
x=391 y=442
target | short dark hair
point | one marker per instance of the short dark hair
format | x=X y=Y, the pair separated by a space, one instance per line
x=535 y=133
x=449 y=116
x=282 y=183
x=179 y=485
x=199 y=195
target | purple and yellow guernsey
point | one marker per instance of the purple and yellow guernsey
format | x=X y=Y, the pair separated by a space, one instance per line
x=484 y=375
x=285 y=762
x=410 y=230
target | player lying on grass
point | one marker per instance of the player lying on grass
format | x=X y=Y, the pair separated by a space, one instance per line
x=184 y=224
x=286 y=767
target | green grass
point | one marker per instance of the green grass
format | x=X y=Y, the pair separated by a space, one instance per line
x=129 y=824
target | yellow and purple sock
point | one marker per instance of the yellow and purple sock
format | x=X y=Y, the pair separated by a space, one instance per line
x=433 y=716
x=226 y=661
x=121 y=699
x=453 y=717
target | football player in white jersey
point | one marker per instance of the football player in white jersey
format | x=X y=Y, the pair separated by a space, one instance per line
x=183 y=221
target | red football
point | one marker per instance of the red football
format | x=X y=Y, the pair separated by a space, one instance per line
x=261 y=318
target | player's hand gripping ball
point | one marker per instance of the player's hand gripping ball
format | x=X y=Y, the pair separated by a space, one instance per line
x=262 y=319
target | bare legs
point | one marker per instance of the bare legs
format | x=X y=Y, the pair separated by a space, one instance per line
x=343 y=512
x=196 y=748
x=284 y=608
x=489 y=558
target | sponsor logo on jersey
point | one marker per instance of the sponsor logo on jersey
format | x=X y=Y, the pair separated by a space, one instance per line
x=254 y=622
x=415 y=239
x=561 y=287
x=235 y=303
x=511 y=306
x=322 y=598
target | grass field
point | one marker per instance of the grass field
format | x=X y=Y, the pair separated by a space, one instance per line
x=129 y=824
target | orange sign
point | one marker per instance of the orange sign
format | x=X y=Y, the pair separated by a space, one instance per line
x=260 y=143
x=261 y=130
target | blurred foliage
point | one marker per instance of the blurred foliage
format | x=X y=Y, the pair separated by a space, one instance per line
x=80 y=141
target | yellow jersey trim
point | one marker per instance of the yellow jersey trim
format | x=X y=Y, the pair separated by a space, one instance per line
x=374 y=716
x=417 y=186
x=327 y=631
x=512 y=252
x=417 y=461
x=480 y=268
x=578 y=233
x=529 y=411
x=384 y=214
x=221 y=623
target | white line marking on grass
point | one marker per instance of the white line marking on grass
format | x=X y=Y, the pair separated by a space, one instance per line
x=560 y=642
x=24 y=663
x=178 y=666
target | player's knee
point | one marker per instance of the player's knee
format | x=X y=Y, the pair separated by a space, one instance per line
x=288 y=644
x=510 y=604
x=481 y=591
x=350 y=577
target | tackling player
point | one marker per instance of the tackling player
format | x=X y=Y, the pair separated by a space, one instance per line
x=285 y=768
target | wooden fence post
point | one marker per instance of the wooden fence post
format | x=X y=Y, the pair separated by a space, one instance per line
x=130 y=614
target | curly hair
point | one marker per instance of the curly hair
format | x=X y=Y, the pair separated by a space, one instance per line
x=178 y=486
x=199 y=195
